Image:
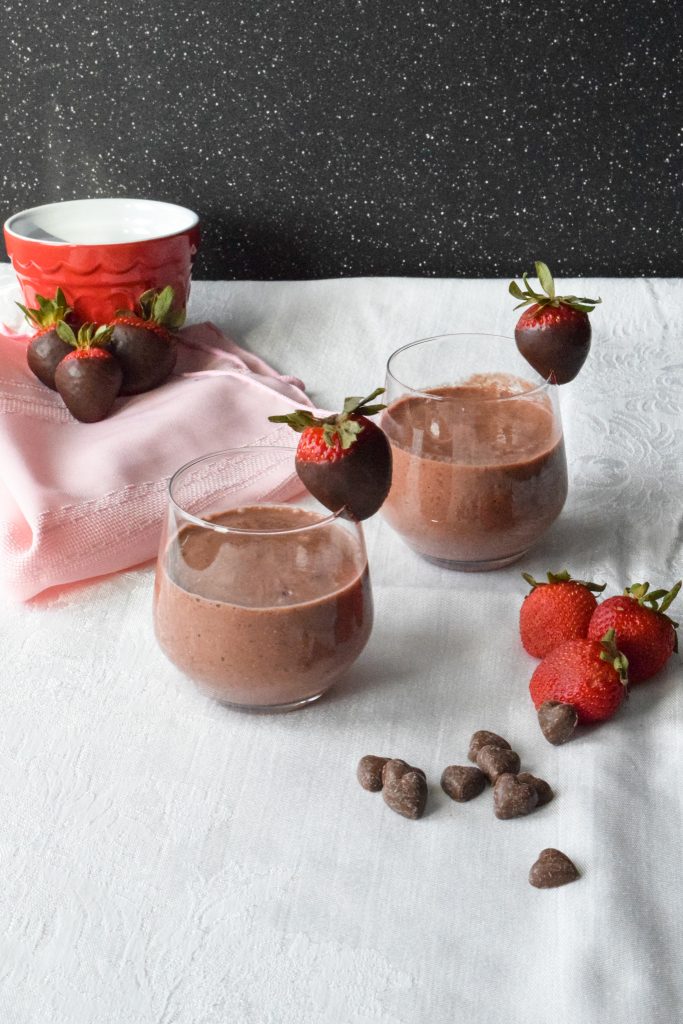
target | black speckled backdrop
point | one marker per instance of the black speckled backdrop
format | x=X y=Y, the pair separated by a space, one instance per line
x=321 y=139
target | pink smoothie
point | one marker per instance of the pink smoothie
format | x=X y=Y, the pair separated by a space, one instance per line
x=475 y=480
x=267 y=620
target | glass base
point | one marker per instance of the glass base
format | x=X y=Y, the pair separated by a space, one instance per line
x=483 y=566
x=272 y=709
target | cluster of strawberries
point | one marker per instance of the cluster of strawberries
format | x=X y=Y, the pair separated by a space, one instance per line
x=591 y=652
x=92 y=365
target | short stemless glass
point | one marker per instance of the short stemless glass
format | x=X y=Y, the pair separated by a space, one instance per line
x=262 y=596
x=479 y=470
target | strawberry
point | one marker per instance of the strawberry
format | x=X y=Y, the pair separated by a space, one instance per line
x=46 y=349
x=589 y=675
x=646 y=635
x=143 y=342
x=344 y=460
x=554 y=335
x=89 y=378
x=555 y=611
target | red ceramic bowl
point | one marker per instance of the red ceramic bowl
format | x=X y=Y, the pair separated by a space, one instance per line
x=102 y=253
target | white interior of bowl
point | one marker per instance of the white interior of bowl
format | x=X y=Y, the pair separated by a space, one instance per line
x=100 y=221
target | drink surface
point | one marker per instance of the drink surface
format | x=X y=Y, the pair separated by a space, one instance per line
x=264 y=618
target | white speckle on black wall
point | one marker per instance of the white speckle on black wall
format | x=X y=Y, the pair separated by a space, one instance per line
x=320 y=139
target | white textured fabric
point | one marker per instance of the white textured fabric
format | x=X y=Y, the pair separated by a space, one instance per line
x=166 y=861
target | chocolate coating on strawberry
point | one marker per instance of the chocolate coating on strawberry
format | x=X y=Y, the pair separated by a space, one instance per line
x=89 y=378
x=143 y=341
x=343 y=460
x=46 y=349
x=554 y=335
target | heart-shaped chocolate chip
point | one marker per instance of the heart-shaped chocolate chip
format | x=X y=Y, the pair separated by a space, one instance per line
x=495 y=761
x=552 y=868
x=369 y=772
x=557 y=721
x=543 y=789
x=484 y=738
x=405 y=789
x=462 y=783
x=395 y=768
x=512 y=798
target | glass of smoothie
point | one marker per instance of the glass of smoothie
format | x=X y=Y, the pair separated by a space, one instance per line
x=479 y=466
x=262 y=596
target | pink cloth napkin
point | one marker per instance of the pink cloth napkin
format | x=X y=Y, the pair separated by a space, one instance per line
x=81 y=499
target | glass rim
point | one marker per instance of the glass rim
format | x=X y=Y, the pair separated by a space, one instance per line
x=219 y=527
x=544 y=385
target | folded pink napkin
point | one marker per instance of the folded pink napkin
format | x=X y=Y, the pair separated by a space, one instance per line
x=81 y=499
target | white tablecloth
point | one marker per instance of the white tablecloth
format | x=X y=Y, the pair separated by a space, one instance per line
x=166 y=861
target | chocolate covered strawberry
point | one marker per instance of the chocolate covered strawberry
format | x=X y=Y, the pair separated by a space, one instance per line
x=554 y=334
x=647 y=636
x=46 y=349
x=556 y=611
x=589 y=675
x=344 y=460
x=89 y=378
x=143 y=341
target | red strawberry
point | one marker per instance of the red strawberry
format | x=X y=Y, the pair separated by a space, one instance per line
x=143 y=342
x=555 y=611
x=46 y=349
x=554 y=335
x=344 y=460
x=89 y=378
x=589 y=675
x=646 y=635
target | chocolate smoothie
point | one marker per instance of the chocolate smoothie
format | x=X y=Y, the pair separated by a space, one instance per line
x=264 y=620
x=478 y=475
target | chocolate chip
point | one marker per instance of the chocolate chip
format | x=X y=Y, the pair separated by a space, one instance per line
x=395 y=768
x=484 y=738
x=495 y=761
x=405 y=789
x=543 y=790
x=369 y=772
x=512 y=798
x=462 y=783
x=557 y=721
x=552 y=868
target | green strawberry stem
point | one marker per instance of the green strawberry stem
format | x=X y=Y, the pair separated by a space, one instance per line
x=157 y=307
x=49 y=313
x=530 y=297
x=339 y=425
x=614 y=656
x=88 y=335
x=563 y=577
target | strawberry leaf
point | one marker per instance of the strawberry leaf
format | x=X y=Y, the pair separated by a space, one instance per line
x=162 y=304
x=65 y=333
x=176 y=319
x=298 y=420
x=28 y=313
x=352 y=403
x=359 y=404
x=580 y=306
x=146 y=303
x=546 y=278
x=670 y=597
x=516 y=291
x=346 y=430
